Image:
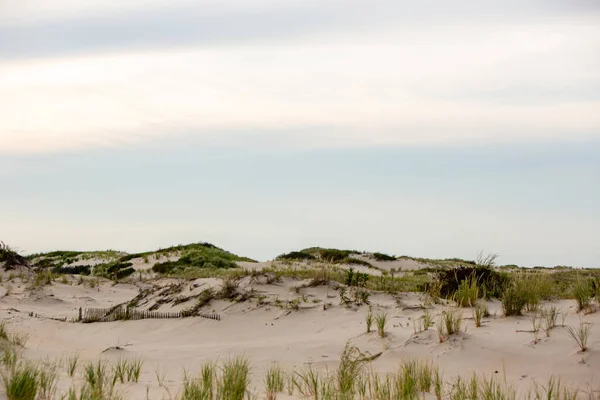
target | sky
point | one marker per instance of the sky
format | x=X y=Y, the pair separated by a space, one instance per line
x=431 y=129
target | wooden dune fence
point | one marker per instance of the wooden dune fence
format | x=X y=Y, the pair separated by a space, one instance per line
x=121 y=313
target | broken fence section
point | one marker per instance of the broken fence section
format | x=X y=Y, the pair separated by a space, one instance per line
x=122 y=313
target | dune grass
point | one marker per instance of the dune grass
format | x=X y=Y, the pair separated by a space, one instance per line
x=202 y=387
x=352 y=379
x=513 y=299
x=381 y=321
x=274 y=381
x=423 y=323
x=369 y=318
x=549 y=316
x=479 y=311
x=449 y=323
x=234 y=379
x=553 y=390
x=21 y=382
x=468 y=292
x=582 y=293
x=71 y=362
x=580 y=333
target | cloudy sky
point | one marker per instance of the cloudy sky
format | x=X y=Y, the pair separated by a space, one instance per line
x=429 y=128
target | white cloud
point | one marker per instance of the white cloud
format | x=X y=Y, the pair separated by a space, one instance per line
x=390 y=86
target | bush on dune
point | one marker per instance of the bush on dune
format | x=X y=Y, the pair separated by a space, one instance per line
x=383 y=257
x=296 y=256
x=206 y=258
x=11 y=257
x=491 y=283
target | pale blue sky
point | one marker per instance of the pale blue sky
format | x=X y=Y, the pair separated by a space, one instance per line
x=534 y=203
x=431 y=128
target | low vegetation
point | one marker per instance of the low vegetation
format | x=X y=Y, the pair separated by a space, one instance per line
x=203 y=256
x=580 y=333
x=297 y=256
x=369 y=318
x=381 y=321
x=383 y=257
x=10 y=257
x=486 y=282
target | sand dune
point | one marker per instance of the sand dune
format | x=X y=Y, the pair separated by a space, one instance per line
x=295 y=322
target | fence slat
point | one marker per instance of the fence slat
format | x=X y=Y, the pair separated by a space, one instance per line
x=125 y=313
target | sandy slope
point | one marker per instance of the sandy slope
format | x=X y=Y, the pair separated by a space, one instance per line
x=272 y=331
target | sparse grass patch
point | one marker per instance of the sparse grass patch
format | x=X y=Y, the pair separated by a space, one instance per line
x=350 y=368
x=19 y=339
x=9 y=355
x=580 y=333
x=201 y=388
x=47 y=377
x=381 y=321
x=274 y=381
x=452 y=321
x=536 y=324
x=309 y=382
x=369 y=318
x=3 y=331
x=423 y=323
x=229 y=288
x=234 y=379
x=204 y=298
x=99 y=382
x=21 y=382
x=479 y=312
x=549 y=316
x=71 y=363
x=44 y=278
x=554 y=390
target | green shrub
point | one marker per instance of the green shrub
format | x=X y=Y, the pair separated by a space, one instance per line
x=297 y=256
x=354 y=278
x=383 y=257
x=11 y=257
x=334 y=255
x=124 y=273
x=199 y=258
x=491 y=283
x=74 y=270
x=112 y=269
